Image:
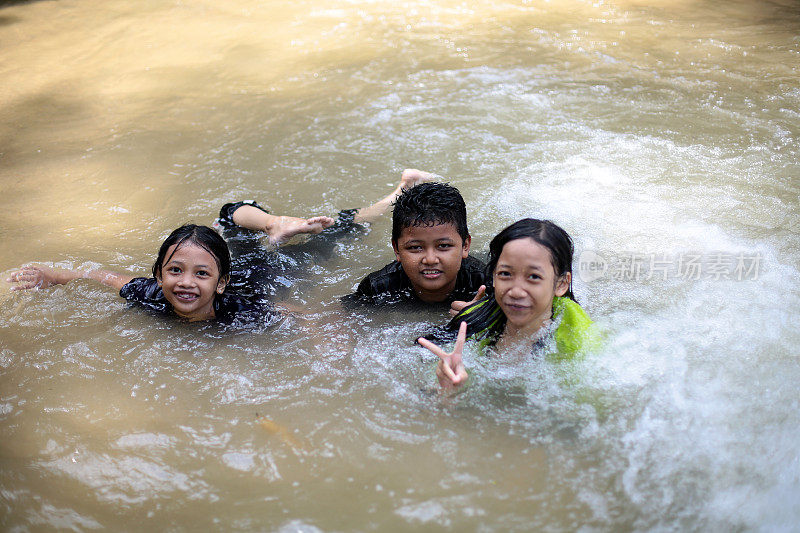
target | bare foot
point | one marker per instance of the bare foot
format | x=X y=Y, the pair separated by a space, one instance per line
x=283 y=228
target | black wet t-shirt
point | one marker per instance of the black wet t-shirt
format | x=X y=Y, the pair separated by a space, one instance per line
x=391 y=284
x=230 y=309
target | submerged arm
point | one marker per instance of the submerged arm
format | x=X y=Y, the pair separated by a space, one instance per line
x=41 y=277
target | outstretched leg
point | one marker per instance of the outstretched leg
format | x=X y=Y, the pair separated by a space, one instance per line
x=282 y=228
x=279 y=228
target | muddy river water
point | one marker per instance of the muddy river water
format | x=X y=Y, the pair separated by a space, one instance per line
x=664 y=136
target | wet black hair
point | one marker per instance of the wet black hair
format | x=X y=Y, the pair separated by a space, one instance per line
x=429 y=204
x=544 y=232
x=485 y=317
x=204 y=237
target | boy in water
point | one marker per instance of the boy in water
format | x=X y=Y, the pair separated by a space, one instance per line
x=431 y=245
x=429 y=236
x=272 y=269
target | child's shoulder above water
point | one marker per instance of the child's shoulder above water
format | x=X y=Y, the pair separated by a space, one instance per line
x=431 y=243
x=528 y=300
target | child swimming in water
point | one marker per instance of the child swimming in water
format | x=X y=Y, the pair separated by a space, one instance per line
x=190 y=276
x=528 y=299
x=431 y=243
x=429 y=237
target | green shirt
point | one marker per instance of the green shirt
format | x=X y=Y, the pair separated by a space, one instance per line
x=576 y=333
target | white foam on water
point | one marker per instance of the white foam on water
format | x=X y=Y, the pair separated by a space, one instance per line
x=686 y=419
x=691 y=358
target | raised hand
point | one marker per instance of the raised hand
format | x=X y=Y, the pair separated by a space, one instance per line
x=450 y=371
x=411 y=177
x=408 y=179
x=458 y=305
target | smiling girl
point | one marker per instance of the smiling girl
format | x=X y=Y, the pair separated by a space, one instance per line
x=528 y=300
x=190 y=278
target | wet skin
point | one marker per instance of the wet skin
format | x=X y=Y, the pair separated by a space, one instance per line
x=525 y=283
x=190 y=279
x=431 y=258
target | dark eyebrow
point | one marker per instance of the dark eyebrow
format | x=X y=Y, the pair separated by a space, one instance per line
x=532 y=267
x=179 y=262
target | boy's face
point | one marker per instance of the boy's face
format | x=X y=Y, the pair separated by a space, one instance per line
x=431 y=258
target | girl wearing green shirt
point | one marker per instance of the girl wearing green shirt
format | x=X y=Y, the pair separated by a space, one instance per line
x=528 y=299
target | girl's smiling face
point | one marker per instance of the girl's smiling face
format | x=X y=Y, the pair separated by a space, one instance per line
x=525 y=283
x=190 y=279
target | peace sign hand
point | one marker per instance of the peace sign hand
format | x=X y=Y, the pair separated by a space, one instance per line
x=450 y=371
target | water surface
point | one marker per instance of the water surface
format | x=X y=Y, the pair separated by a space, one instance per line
x=659 y=134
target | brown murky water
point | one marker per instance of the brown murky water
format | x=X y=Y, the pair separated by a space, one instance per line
x=660 y=134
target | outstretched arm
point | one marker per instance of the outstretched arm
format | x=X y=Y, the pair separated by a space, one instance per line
x=279 y=228
x=41 y=277
x=282 y=228
x=450 y=371
x=408 y=179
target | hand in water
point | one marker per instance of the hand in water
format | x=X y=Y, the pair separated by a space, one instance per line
x=35 y=277
x=458 y=305
x=450 y=371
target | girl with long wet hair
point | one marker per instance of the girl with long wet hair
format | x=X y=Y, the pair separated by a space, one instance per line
x=528 y=300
